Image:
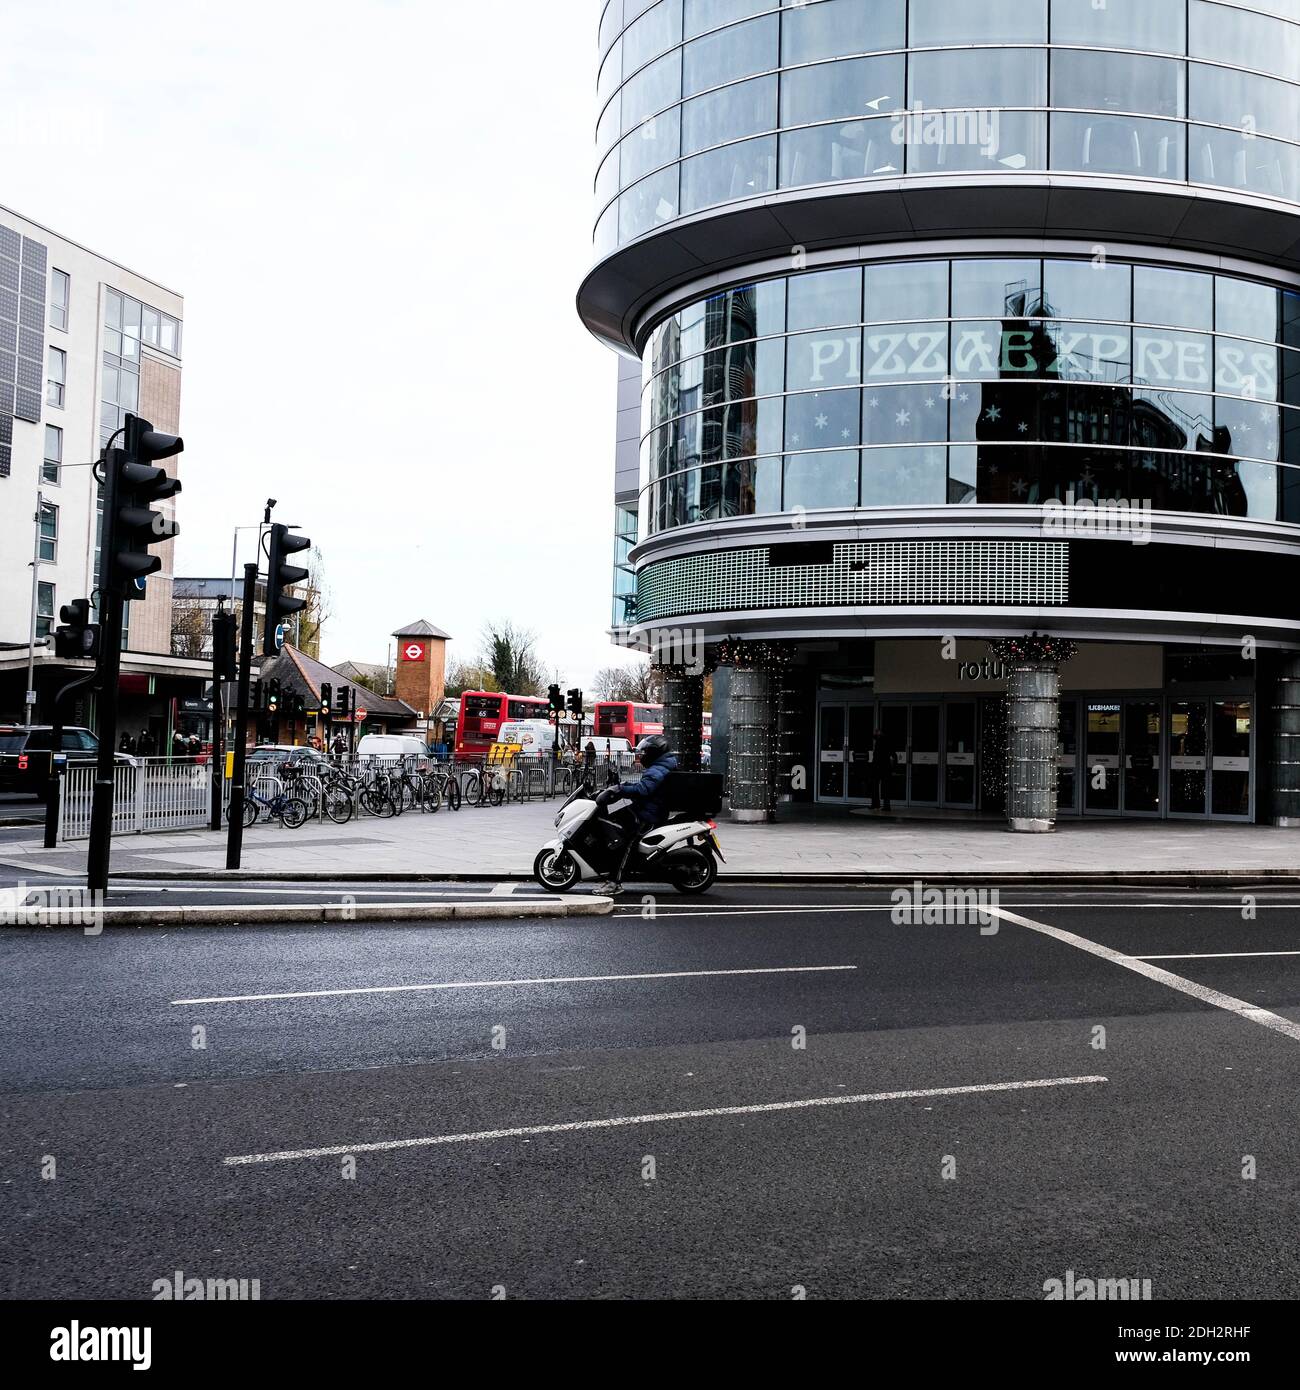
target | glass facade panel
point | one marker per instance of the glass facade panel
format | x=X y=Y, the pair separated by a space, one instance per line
x=734 y=171
x=834 y=91
x=1036 y=399
x=837 y=27
x=731 y=54
x=1118 y=82
x=942 y=23
x=1100 y=144
x=1156 y=26
x=748 y=108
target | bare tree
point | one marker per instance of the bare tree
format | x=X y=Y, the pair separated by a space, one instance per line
x=469 y=675
x=640 y=683
x=320 y=606
x=190 y=630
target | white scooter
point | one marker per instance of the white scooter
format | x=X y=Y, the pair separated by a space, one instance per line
x=683 y=852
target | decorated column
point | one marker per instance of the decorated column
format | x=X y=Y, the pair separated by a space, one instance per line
x=1033 y=666
x=756 y=667
x=1285 y=757
x=683 y=697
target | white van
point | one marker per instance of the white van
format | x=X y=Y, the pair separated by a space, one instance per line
x=391 y=747
x=535 y=737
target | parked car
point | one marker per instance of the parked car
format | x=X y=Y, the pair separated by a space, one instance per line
x=391 y=747
x=25 y=755
x=278 y=753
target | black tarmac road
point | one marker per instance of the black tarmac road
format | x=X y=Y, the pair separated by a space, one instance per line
x=771 y=1090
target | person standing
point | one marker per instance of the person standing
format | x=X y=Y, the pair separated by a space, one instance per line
x=884 y=756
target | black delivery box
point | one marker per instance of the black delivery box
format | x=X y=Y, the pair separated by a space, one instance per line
x=694 y=793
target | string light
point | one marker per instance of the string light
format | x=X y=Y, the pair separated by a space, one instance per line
x=1035 y=647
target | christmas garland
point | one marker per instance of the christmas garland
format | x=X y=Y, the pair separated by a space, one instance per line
x=762 y=656
x=1036 y=647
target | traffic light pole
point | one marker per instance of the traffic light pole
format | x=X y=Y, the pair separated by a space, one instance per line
x=218 y=735
x=110 y=671
x=235 y=842
x=59 y=760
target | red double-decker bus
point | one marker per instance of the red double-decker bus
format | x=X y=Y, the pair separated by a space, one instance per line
x=626 y=719
x=482 y=713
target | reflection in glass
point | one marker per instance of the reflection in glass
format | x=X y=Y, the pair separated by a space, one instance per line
x=821 y=480
x=904 y=477
x=1157 y=26
x=734 y=171
x=730 y=54
x=1095 y=144
x=1118 y=82
x=1232 y=159
x=748 y=108
x=1179 y=298
x=906 y=290
x=1087 y=289
x=831 y=91
x=1188 y=742
x=835 y=27
x=996 y=289
x=831 y=153
x=938 y=22
x=825 y=297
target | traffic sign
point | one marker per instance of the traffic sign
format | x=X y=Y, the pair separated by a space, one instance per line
x=281 y=631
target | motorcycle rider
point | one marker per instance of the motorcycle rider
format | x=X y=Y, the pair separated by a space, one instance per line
x=648 y=796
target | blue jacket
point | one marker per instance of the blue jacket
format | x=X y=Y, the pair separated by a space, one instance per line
x=648 y=790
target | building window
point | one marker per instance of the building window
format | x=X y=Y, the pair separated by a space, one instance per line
x=49 y=547
x=51 y=469
x=60 y=292
x=57 y=379
x=44 y=609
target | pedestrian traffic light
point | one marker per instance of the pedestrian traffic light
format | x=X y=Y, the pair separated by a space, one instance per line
x=78 y=637
x=326 y=698
x=574 y=705
x=133 y=486
x=223 y=646
x=556 y=699
x=273 y=697
x=281 y=577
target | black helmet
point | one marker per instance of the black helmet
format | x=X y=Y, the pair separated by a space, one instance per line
x=651 y=749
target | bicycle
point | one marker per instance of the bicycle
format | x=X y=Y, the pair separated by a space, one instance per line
x=290 y=811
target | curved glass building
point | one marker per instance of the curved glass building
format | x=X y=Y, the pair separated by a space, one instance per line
x=956 y=322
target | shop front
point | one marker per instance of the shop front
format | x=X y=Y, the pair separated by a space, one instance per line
x=1144 y=732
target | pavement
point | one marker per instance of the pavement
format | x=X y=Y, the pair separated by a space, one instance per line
x=763 y=1096
x=500 y=842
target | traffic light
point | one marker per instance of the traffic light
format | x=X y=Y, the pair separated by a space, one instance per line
x=280 y=577
x=326 y=698
x=78 y=637
x=255 y=695
x=273 y=697
x=574 y=704
x=223 y=646
x=343 y=701
x=133 y=485
x=556 y=699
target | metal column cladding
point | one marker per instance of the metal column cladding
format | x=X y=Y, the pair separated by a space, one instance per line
x=858 y=573
x=22 y=335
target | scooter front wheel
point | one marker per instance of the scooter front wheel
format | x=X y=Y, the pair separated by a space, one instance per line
x=556 y=870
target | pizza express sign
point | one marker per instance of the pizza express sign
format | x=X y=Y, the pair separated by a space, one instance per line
x=1080 y=353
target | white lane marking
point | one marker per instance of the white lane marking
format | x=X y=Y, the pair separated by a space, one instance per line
x=502 y=890
x=1220 y=955
x=341 y=890
x=515 y=984
x=623 y=1120
x=1264 y=1017
x=796 y=909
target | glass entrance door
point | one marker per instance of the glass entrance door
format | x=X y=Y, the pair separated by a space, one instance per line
x=862 y=725
x=1230 y=730
x=1142 y=731
x=830 y=753
x=1101 y=772
x=1188 y=767
x=959 y=755
x=893 y=722
x=1067 y=759
x=924 y=760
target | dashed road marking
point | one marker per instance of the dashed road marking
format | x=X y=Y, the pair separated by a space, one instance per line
x=388 y=1145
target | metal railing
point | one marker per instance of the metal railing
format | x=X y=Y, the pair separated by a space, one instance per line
x=155 y=794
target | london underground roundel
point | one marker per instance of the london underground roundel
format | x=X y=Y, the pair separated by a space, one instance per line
x=413 y=651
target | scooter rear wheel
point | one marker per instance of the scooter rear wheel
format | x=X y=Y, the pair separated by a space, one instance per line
x=696 y=872
x=556 y=870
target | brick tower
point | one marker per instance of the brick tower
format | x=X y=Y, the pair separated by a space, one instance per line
x=421 y=666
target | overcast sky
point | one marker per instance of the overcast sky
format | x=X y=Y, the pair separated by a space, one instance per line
x=378 y=212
